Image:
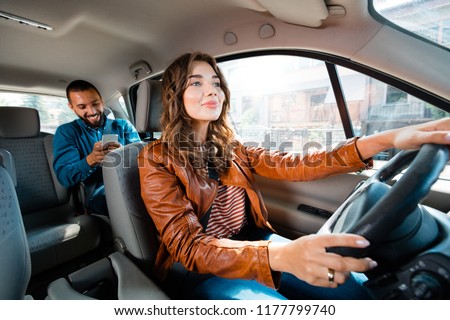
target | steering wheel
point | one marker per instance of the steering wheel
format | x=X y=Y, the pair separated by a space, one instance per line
x=390 y=217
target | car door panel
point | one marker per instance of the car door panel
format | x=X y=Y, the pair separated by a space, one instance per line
x=315 y=198
x=300 y=208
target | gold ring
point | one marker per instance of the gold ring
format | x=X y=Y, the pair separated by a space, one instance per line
x=330 y=275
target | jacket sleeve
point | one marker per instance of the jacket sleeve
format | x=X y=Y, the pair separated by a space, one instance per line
x=69 y=165
x=313 y=165
x=184 y=237
x=130 y=133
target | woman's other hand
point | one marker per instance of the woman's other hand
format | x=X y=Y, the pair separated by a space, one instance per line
x=308 y=260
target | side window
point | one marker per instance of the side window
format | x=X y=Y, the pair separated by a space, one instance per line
x=287 y=103
x=283 y=103
x=381 y=107
x=394 y=95
x=122 y=103
x=53 y=111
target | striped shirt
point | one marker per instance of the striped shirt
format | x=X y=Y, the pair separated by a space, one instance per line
x=227 y=215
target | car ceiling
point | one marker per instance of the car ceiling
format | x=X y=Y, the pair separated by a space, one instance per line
x=99 y=40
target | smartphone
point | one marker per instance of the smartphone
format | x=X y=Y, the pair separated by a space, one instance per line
x=107 y=139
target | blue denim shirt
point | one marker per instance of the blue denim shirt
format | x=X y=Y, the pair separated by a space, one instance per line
x=74 y=141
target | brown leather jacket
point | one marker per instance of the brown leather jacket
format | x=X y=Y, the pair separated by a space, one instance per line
x=176 y=199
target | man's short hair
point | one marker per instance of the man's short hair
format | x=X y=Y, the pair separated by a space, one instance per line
x=80 y=85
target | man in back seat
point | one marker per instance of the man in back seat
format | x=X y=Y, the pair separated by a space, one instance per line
x=77 y=145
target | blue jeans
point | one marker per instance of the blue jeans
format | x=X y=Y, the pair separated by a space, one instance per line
x=97 y=202
x=183 y=284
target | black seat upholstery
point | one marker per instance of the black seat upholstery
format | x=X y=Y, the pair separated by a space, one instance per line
x=15 y=269
x=55 y=235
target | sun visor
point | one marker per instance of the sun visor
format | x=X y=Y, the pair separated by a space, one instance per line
x=308 y=13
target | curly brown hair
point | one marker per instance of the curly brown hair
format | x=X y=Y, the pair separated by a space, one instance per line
x=178 y=132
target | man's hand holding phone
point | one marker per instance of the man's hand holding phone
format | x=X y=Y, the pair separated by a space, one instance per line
x=110 y=141
x=101 y=148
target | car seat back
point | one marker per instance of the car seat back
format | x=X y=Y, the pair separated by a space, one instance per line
x=134 y=231
x=15 y=269
x=55 y=235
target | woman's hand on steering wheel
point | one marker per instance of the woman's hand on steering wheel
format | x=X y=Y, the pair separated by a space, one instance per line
x=307 y=258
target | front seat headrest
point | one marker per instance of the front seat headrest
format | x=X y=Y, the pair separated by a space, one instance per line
x=19 y=122
x=149 y=106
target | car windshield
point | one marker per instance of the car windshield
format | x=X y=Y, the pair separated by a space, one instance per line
x=429 y=19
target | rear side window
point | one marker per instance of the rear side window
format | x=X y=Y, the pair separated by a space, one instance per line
x=123 y=105
x=53 y=111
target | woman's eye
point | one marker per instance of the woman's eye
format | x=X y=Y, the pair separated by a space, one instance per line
x=196 y=83
x=216 y=84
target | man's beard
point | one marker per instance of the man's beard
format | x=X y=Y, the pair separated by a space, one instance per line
x=97 y=124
